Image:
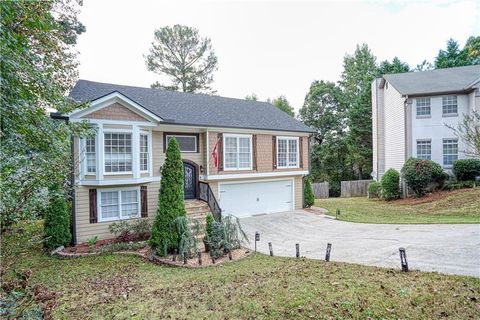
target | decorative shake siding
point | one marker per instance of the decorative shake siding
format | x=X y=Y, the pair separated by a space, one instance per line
x=115 y=111
x=395 y=133
x=264 y=155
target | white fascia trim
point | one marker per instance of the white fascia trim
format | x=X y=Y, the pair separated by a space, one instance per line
x=254 y=175
x=116 y=122
x=117 y=182
x=225 y=130
x=113 y=97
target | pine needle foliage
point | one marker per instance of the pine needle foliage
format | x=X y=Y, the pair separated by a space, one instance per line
x=171 y=204
x=308 y=193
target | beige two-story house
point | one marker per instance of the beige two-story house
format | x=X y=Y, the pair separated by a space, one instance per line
x=241 y=157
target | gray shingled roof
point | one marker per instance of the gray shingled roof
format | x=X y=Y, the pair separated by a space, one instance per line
x=434 y=81
x=196 y=109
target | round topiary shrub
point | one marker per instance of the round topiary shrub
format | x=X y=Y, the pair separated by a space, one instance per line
x=466 y=169
x=374 y=190
x=308 y=193
x=422 y=175
x=390 y=184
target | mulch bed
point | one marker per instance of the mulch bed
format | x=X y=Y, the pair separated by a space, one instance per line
x=429 y=197
x=206 y=259
x=85 y=248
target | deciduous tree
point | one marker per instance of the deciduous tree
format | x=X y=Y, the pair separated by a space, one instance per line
x=283 y=104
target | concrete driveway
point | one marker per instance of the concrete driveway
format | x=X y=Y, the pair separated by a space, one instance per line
x=446 y=248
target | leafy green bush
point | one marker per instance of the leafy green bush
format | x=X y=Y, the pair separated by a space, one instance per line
x=57 y=220
x=390 y=184
x=308 y=193
x=422 y=175
x=466 y=169
x=164 y=237
x=334 y=189
x=92 y=241
x=459 y=185
x=374 y=190
x=131 y=230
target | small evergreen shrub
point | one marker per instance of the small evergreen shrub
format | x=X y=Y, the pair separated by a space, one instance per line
x=390 y=184
x=187 y=232
x=374 y=190
x=466 y=169
x=209 y=226
x=308 y=193
x=334 y=189
x=164 y=238
x=226 y=235
x=422 y=175
x=57 y=220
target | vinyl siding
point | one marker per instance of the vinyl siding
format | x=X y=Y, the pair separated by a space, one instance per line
x=395 y=143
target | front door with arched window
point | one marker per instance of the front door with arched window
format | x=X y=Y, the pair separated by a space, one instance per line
x=189 y=180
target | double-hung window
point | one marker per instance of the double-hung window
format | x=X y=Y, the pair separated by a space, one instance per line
x=423 y=107
x=287 y=152
x=237 y=152
x=119 y=204
x=424 y=149
x=450 y=151
x=90 y=157
x=118 y=152
x=144 y=152
x=449 y=106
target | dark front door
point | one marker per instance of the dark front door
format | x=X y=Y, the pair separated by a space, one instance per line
x=189 y=181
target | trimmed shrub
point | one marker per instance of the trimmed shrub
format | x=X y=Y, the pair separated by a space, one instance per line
x=374 y=190
x=466 y=169
x=131 y=230
x=226 y=235
x=390 y=184
x=422 y=175
x=308 y=193
x=165 y=238
x=209 y=226
x=57 y=221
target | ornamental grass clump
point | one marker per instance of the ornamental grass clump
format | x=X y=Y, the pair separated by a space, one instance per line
x=57 y=221
x=165 y=238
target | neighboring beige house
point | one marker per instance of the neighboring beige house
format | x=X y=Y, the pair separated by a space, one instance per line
x=410 y=112
x=263 y=154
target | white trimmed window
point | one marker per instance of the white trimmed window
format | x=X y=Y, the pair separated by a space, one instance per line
x=237 y=152
x=424 y=149
x=449 y=105
x=287 y=152
x=90 y=158
x=118 y=152
x=423 y=107
x=144 y=152
x=119 y=204
x=450 y=151
x=185 y=142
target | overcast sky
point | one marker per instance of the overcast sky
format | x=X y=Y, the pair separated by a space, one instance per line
x=269 y=48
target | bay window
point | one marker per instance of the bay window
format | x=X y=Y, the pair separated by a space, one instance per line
x=118 y=152
x=90 y=157
x=237 y=152
x=287 y=152
x=119 y=204
x=144 y=152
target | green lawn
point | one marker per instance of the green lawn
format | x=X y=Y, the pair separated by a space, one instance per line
x=461 y=206
x=127 y=287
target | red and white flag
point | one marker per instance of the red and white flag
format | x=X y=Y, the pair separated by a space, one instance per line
x=215 y=154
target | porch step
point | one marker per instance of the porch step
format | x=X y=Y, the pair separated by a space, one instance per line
x=197 y=210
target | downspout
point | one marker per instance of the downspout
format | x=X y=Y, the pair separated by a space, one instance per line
x=73 y=225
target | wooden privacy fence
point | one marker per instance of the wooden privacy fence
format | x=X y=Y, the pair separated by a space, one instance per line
x=320 y=189
x=355 y=188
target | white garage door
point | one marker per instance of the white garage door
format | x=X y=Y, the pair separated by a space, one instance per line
x=245 y=199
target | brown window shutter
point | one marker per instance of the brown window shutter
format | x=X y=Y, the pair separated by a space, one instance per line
x=220 y=151
x=92 y=199
x=143 y=201
x=254 y=151
x=300 y=149
x=274 y=152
